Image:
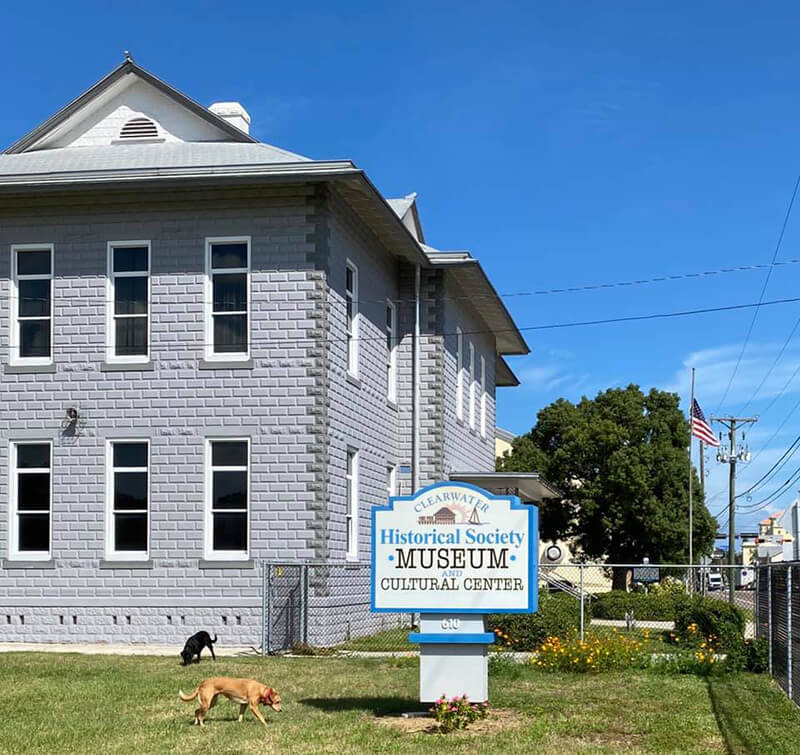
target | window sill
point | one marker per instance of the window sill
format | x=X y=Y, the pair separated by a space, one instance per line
x=391 y=404
x=228 y=563
x=353 y=380
x=225 y=364
x=12 y=563
x=112 y=564
x=22 y=369
x=125 y=366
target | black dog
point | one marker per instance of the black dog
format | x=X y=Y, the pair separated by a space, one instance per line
x=194 y=646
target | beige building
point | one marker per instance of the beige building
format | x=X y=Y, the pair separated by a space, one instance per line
x=503 y=440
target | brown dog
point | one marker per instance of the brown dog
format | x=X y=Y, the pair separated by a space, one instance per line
x=247 y=692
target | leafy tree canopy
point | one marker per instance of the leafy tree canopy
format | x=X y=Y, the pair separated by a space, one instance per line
x=620 y=460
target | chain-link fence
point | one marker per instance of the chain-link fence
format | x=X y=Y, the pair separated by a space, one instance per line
x=325 y=607
x=778 y=619
x=643 y=595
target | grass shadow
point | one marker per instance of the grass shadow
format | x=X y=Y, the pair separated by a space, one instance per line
x=753 y=714
x=378 y=706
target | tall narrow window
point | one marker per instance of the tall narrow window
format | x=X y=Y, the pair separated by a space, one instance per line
x=351 y=304
x=228 y=297
x=459 y=374
x=472 y=386
x=391 y=480
x=227 y=518
x=351 y=478
x=483 y=397
x=32 y=304
x=30 y=501
x=391 y=351
x=129 y=301
x=127 y=521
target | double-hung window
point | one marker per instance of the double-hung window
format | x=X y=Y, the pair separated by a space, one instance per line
x=351 y=307
x=227 y=508
x=483 y=397
x=351 y=516
x=31 y=330
x=228 y=298
x=472 y=386
x=30 y=488
x=127 y=496
x=459 y=374
x=128 y=328
x=391 y=351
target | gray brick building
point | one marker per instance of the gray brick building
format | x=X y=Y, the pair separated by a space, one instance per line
x=214 y=352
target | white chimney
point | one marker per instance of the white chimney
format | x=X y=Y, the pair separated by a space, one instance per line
x=234 y=113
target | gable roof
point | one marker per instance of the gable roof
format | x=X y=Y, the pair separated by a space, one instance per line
x=231 y=156
x=105 y=85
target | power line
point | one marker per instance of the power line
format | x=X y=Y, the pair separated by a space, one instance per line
x=769 y=474
x=763 y=290
x=566 y=289
x=550 y=326
x=772 y=366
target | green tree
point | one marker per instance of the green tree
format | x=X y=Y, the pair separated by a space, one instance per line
x=620 y=461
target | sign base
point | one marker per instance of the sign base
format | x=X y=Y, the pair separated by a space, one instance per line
x=453 y=658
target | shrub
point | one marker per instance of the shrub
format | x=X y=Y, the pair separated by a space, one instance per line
x=717 y=621
x=757 y=655
x=658 y=605
x=607 y=652
x=457 y=713
x=558 y=616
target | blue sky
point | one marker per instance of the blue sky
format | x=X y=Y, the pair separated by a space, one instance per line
x=564 y=144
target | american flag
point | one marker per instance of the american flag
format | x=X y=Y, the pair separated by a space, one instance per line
x=701 y=428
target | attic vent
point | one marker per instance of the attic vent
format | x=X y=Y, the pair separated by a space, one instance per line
x=138 y=128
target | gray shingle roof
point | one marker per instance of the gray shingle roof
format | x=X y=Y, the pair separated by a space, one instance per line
x=143 y=156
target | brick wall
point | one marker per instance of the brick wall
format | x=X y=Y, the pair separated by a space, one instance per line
x=175 y=404
x=296 y=404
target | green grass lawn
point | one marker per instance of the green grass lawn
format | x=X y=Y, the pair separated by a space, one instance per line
x=113 y=704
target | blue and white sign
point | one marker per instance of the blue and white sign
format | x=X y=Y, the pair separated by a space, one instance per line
x=453 y=547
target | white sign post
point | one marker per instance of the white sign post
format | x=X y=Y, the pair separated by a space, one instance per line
x=453 y=553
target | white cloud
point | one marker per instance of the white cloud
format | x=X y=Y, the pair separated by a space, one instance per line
x=714 y=367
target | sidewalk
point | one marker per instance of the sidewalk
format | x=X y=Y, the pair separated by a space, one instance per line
x=88 y=648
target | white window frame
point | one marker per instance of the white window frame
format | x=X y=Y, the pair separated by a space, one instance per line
x=483 y=397
x=111 y=330
x=459 y=375
x=209 y=553
x=351 y=505
x=14 y=553
x=226 y=356
x=352 y=326
x=471 y=385
x=110 y=553
x=391 y=355
x=14 y=322
x=391 y=480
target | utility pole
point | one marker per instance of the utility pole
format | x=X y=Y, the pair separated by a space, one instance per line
x=702 y=469
x=731 y=458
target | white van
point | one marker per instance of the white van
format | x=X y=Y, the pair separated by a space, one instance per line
x=713 y=581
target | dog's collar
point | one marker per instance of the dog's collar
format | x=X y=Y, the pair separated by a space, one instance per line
x=266 y=698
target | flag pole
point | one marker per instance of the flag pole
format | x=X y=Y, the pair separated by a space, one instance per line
x=691 y=549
